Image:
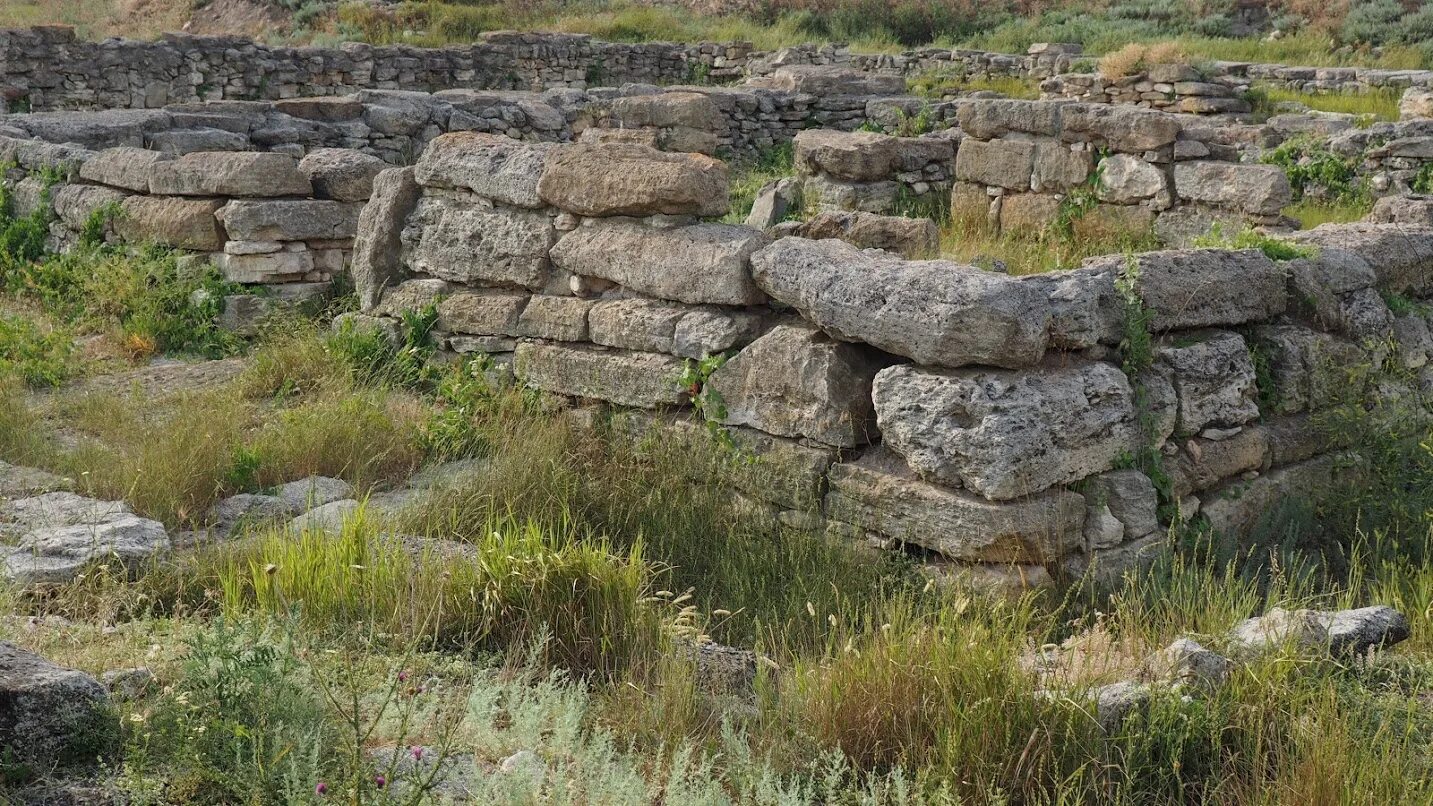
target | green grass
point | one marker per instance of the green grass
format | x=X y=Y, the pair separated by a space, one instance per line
x=1373 y=105
x=967 y=237
x=749 y=177
x=1312 y=212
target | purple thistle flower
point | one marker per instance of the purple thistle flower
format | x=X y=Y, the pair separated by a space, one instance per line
x=417 y=752
x=321 y=789
x=380 y=781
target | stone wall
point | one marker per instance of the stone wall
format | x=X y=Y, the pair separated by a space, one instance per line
x=281 y=226
x=981 y=418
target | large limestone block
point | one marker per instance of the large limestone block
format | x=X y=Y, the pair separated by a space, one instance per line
x=290 y=220
x=933 y=311
x=482 y=313
x=1310 y=370
x=1120 y=127
x=1213 y=377
x=879 y=493
x=1241 y=507
x=269 y=267
x=492 y=166
x=625 y=179
x=907 y=237
x=180 y=223
x=796 y=382
x=378 y=247
x=1127 y=179
x=1400 y=255
x=124 y=167
x=826 y=80
x=414 y=295
x=866 y=156
x=1005 y=434
x=1189 y=288
x=1085 y=305
x=1129 y=497
x=1204 y=463
x=1255 y=189
x=1059 y=167
x=1006 y=164
x=555 y=318
x=341 y=174
x=74 y=204
x=1413 y=209
x=55 y=536
x=989 y=118
x=643 y=380
x=665 y=110
x=709 y=330
x=229 y=173
x=478 y=243
x=697 y=264
x=50 y=715
x=635 y=324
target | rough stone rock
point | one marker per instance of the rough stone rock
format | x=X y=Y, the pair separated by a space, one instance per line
x=1006 y=434
x=1086 y=309
x=1415 y=209
x=1213 y=376
x=24 y=482
x=908 y=237
x=124 y=167
x=290 y=220
x=635 y=324
x=631 y=180
x=796 y=382
x=775 y=203
x=988 y=118
x=1416 y=102
x=378 y=246
x=329 y=109
x=1322 y=284
x=879 y=493
x=414 y=295
x=696 y=264
x=1240 y=507
x=229 y=173
x=1414 y=339
x=1204 y=463
x=476 y=244
x=707 y=331
x=180 y=223
x=51 y=716
x=865 y=156
x=329 y=517
x=74 y=204
x=933 y=311
x=1008 y=164
x=272 y=267
x=1117 y=701
x=1127 y=179
x=1339 y=632
x=1120 y=127
x=55 y=535
x=824 y=81
x=1058 y=167
x=492 y=166
x=487 y=312
x=665 y=110
x=236 y=511
x=1309 y=370
x=1400 y=255
x=643 y=380
x=1189 y=662
x=313 y=492
x=189 y=141
x=1028 y=212
x=555 y=318
x=1129 y=497
x=341 y=174
x=1255 y=189
x=1189 y=288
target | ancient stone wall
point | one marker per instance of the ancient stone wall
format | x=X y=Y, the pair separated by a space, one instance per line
x=989 y=420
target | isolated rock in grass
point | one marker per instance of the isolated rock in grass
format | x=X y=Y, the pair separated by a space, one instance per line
x=720 y=669
x=908 y=237
x=329 y=517
x=128 y=684
x=235 y=511
x=1187 y=661
x=451 y=778
x=49 y=715
x=1340 y=632
x=314 y=491
x=1115 y=702
x=54 y=535
x=17 y=481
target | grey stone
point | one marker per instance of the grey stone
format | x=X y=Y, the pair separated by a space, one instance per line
x=796 y=382
x=1213 y=377
x=935 y=312
x=1188 y=288
x=1127 y=179
x=775 y=203
x=229 y=173
x=487 y=312
x=1006 y=434
x=1255 y=189
x=326 y=518
x=124 y=167
x=51 y=716
x=908 y=237
x=635 y=324
x=1129 y=497
x=290 y=220
x=624 y=179
x=1000 y=163
x=1117 y=702
x=642 y=380
x=696 y=264
x=707 y=331
x=1339 y=632
x=1400 y=255
x=377 y=249
x=476 y=244
x=56 y=535
x=180 y=223
x=229 y=514
x=1309 y=370
x=491 y=166
x=313 y=492
x=341 y=174
x=555 y=318
x=1189 y=662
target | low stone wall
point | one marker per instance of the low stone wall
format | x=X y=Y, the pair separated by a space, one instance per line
x=1169 y=87
x=282 y=226
x=982 y=418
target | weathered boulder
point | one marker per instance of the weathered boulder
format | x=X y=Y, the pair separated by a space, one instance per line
x=341 y=174
x=555 y=318
x=74 y=204
x=476 y=243
x=1187 y=288
x=631 y=180
x=1256 y=189
x=1204 y=463
x=775 y=203
x=1006 y=434
x=55 y=535
x=1400 y=255
x=680 y=109
x=233 y=513
x=696 y=264
x=933 y=311
x=1127 y=179
x=1117 y=702
x=485 y=312
x=989 y=118
x=492 y=166
x=1129 y=497
x=378 y=246
x=312 y=492
x=1213 y=377
x=643 y=380
x=908 y=237
x=51 y=716
x=1416 y=209
x=1308 y=369
x=1120 y=127
x=877 y=492
x=635 y=324
x=1028 y=212
x=124 y=167
x=796 y=382
x=1338 y=632
x=229 y=173
x=413 y=295
x=1188 y=662
x=866 y=156
x=1008 y=164
x=23 y=482
x=180 y=223
x=290 y=219
x=1086 y=309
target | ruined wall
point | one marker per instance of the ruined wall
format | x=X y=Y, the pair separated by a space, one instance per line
x=989 y=420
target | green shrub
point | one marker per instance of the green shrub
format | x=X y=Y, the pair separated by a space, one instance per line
x=37 y=356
